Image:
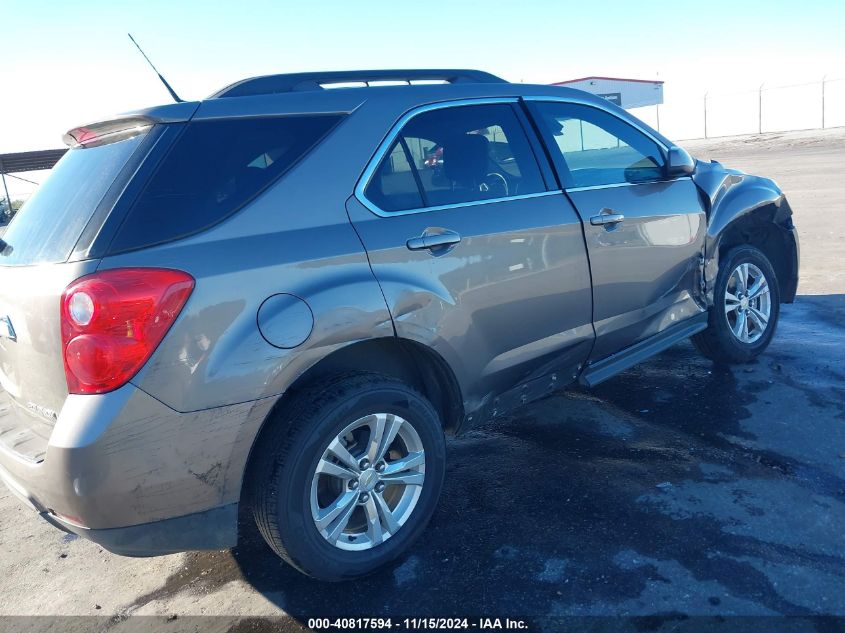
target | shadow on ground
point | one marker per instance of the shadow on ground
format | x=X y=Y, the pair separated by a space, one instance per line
x=677 y=488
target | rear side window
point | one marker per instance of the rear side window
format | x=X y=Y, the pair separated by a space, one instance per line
x=213 y=169
x=456 y=155
x=47 y=227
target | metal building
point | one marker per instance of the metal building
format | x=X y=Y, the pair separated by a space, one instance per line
x=626 y=93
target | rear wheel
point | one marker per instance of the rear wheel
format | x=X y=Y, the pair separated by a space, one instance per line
x=348 y=475
x=746 y=307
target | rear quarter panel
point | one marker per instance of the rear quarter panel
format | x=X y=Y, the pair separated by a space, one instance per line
x=294 y=239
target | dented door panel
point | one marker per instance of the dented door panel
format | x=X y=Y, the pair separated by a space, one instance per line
x=509 y=303
x=645 y=268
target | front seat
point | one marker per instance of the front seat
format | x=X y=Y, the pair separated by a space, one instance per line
x=465 y=161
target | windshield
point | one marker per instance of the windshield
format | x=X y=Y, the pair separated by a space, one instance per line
x=47 y=227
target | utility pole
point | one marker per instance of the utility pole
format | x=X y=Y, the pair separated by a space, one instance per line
x=705 y=114
x=760 y=109
x=823 y=82
x=657 y=105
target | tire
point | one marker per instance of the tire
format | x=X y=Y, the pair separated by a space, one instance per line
x=720 y=342
x=285 y=484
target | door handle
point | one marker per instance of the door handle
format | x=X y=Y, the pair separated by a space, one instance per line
x=433 y=241
x=607 y=217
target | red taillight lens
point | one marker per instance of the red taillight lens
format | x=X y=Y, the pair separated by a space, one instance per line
x=112 y=322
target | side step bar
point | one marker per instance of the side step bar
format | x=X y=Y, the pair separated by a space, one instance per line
x=608 y=367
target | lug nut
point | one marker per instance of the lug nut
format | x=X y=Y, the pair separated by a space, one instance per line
x=379 y=487
x=353 y=485
x=380 y=467
x=364 y=464
x=365 y=497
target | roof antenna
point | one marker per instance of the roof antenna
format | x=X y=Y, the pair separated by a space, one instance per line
x=163 y=80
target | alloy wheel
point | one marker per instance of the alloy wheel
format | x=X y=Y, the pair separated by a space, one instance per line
x=368 y=481
x=748 y=304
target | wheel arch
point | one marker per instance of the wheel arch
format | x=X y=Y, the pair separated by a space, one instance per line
x=760 y=216
x=403 y=359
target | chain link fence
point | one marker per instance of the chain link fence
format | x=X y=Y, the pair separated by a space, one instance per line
x=14 y=192
x=804 y=106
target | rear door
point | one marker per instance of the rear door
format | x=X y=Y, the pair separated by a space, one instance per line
x=644 y=231
x=476 y=257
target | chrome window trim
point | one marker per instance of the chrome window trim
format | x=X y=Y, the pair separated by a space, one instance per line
x=458 y=205
x=388 y=141
x=615 y=185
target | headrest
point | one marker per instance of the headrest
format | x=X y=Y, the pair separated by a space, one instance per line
x=465 y=159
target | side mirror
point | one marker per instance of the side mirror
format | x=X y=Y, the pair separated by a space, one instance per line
x=679 y=162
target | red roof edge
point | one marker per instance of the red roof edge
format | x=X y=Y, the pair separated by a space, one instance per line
x=639 y=81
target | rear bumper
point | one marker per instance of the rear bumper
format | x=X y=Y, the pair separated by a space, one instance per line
x=211 y=529
x=126 y=471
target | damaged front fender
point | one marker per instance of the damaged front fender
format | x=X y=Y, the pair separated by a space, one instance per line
x=746 y=209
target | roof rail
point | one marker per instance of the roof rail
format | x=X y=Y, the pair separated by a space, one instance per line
x=296 y=82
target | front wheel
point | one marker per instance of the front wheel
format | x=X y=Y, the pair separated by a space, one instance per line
x=348 y=475
x=746 y=307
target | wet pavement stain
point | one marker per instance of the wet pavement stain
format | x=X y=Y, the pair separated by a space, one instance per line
x=201 y=572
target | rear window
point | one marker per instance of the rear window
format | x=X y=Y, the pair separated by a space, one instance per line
x=47 y=227
x=214 y=168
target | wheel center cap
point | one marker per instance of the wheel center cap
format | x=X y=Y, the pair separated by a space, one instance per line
x=743 y=303
x=368 y=480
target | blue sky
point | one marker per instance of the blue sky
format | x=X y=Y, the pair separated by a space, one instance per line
x=69 y=62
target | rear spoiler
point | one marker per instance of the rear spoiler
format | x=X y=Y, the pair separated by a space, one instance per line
x=128 y=124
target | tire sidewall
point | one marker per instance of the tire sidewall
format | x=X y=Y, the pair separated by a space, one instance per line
x=735 y=257
x=306 y=546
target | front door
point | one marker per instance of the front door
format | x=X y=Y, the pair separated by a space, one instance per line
x=476 y=258
x=644 y=231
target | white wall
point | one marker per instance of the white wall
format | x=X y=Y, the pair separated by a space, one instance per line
x=633 y=93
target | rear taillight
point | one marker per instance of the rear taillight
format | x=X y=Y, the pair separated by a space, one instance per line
x=112 y=322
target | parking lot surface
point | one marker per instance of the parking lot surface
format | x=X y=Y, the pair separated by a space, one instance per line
x=677 y=488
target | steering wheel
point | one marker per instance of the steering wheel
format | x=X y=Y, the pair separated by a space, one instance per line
x=495 y=184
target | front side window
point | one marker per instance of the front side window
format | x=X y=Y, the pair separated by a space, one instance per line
x=456 y=155
x=595 y=148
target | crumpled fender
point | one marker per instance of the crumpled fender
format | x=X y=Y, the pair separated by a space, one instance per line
x=734 y=197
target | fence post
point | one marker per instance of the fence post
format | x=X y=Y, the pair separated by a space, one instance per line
x=823 y=81
x=705 y=114
x=760 y=109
